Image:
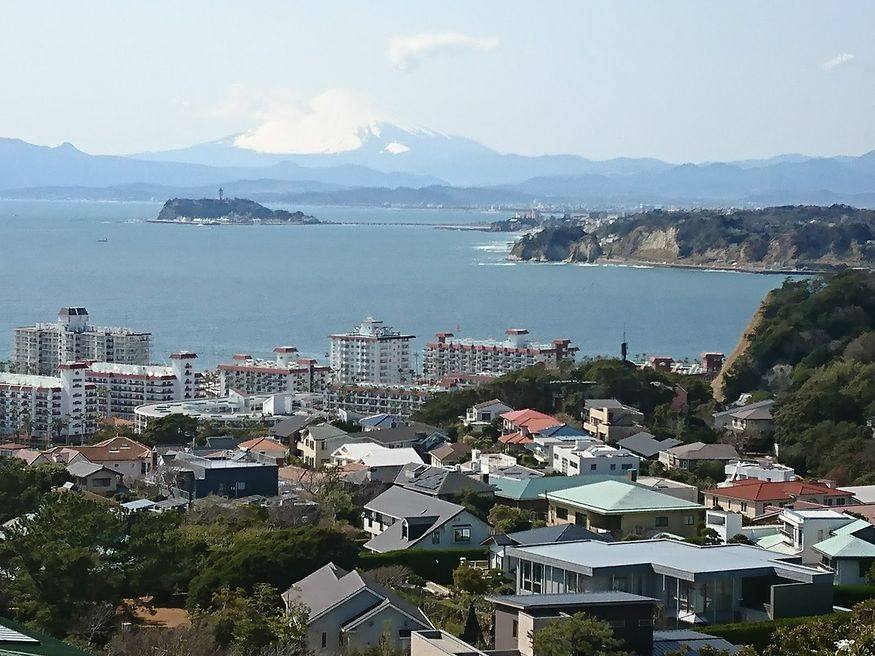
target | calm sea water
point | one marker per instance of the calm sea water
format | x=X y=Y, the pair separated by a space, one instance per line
x=221 y=290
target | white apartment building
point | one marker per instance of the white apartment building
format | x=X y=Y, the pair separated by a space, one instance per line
x=63 y=406
x=41 y=348
x=123 y=387
x=448 y=355
x=371 y=353
x=370 y=399
x=586 y=457
x=234 y=410
x=762 y=471
x=287 y=373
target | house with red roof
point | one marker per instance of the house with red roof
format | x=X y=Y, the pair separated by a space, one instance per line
x=751 y=497
x=520 y=426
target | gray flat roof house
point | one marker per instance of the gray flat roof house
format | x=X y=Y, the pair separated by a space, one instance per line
x=347 y=610
x=694 y=584
x=400 y=519
x=646 y=445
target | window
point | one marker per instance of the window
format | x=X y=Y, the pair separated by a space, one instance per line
x=526 y=575
x=613 y=467
x=661 y=521
x=570 y=581
x=537 y=577
x=324 y=640
x=435 y=537
x=561 y=513
x=515 y=628
x=689 y=520
x=840 y=501
x=743 y=506
x=627 y=466
x=462 y=534
x=592 y=467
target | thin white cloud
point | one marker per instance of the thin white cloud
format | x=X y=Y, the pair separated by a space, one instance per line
x=332 y=122
x=406 y=52
x=835 y=62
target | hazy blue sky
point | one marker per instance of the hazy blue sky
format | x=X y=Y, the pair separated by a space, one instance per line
x=683 y=81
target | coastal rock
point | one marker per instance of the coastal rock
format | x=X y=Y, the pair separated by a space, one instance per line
x=557 y=244
x=772 y=239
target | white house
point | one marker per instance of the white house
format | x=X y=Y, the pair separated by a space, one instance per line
x=485 y=413
x=586 y=457
x=374 y=455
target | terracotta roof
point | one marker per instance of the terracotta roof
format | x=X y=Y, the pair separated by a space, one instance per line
x=518 y=416
x=12 y=446
x=261 y=444
x=115 y=448
x=516 y=438
x=755 y=490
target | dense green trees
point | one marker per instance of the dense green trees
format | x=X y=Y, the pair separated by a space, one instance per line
x=278 y=558
x=821 y=332
x=577 y=635
x=22 y=487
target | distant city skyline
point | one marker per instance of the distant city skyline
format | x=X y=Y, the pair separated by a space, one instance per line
x=680 y=81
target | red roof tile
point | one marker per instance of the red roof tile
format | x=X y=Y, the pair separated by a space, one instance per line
x=755 y=490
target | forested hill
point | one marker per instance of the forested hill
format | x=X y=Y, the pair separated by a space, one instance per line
x=774 y=238
x=228 y=210
x=815 y=348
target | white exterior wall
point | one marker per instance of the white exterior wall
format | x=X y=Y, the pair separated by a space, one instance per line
x=40 y=349
x=570 y=461
x=47 y=400
x=372 y=353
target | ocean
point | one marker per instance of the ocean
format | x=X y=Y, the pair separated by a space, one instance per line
x=228 y=289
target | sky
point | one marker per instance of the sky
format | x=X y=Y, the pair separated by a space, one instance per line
x=678 y=80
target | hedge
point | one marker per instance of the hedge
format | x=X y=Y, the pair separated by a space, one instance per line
x=435 y=565
x=851 y=595
x=758 y=634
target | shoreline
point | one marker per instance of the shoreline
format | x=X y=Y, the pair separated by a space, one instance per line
x=682 y=265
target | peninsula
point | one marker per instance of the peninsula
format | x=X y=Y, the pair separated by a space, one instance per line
x=770 y=240
x=227 y=211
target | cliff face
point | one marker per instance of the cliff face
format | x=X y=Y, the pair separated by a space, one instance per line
x=230 y=210
x=561 y=244
x=772 y=239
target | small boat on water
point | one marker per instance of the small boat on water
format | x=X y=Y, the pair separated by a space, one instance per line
x=103 y=240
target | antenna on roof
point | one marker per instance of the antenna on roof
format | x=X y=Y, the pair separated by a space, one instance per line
x=624 y=347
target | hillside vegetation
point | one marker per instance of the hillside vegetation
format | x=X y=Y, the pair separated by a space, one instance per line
x=815 y=348
x=232 y=210
x=776 y=238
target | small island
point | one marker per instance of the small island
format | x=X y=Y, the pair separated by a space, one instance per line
x=789 y=239
x=227 y=211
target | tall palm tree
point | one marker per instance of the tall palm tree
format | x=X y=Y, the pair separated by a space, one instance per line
x=25 y=421
x=57 y=427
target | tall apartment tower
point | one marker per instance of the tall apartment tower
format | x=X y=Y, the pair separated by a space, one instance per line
x=40 y=349
x=371 y=353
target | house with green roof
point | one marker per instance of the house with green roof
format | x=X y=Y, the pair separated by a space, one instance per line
x=849 y=552
x=18 y=640
x=623 y=508
x=528 y=493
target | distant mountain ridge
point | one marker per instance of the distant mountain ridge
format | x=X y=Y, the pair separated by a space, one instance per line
x=416 y=166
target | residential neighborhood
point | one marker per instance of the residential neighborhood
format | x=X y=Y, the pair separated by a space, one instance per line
x=492 y=517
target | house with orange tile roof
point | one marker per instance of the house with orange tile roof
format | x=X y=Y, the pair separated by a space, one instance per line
x=520 y=426
x=267 y=448
x=751 y=497
x=120 y=454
